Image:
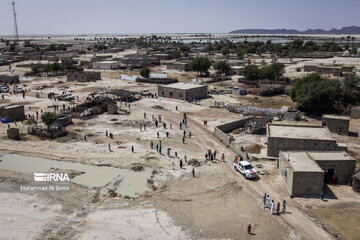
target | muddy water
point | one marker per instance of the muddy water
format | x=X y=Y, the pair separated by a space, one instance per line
x=132 y=183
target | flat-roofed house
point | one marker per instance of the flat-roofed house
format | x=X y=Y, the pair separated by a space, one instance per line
x=300 y=138
x=183 y=91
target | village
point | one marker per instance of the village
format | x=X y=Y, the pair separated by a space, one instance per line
x=173 y=137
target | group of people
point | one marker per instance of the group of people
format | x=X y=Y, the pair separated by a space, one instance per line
x=211 y=156
x=274 y=208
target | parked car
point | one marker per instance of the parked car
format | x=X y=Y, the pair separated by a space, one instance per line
x=4 y=89
x=145 y=93
x=66 y=97
x=18 y=90
x=245 y=168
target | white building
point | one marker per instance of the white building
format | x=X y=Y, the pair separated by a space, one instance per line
x=106 y=65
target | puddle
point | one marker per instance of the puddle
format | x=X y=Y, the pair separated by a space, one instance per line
x=131 y=183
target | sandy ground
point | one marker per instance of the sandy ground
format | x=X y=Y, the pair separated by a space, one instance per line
x=218 y=204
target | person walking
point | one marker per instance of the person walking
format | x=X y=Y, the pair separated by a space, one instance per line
x=180 y=126
x=284 y=206
x=223 y=160
x=189 y=134
x=183 y=140
x=157 y=147
x=167 y=134
x=215 y=155
x=278 y=208
x=176 y=108
x=264 y=200
x=193 y=172
x=181 y=163
x=272 y=207
x=206 y=156
x=144 y=115
x=168 y=152
x=249 y=229
x=106 y=133
x=185 y=158
x=268 y=201
x=109 y=146
x=176 y=154
x=158 y=135
x=132 y=149
x=184 y=133
x=152 y=145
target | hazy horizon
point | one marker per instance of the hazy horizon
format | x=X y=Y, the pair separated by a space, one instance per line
x=41 y=17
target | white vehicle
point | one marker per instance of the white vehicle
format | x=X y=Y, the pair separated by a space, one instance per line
x=66 y=97
x=18 y=90
x=4 y=89
x=245 y=168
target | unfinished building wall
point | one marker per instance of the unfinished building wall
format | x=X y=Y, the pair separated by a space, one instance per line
x=355 y=112
x=13 y=112
x=307 y=183
x=343 y=169
x=276 y=144
x=337 y=125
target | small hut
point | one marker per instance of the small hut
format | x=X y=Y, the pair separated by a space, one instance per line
x=356 y=182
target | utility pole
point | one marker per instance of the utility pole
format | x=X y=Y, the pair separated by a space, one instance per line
x=16 y=34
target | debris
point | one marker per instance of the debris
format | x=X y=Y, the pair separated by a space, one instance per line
x=158 y=107
x=194 y=162
x=137 y=168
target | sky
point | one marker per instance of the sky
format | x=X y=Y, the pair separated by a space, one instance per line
x=174 y=16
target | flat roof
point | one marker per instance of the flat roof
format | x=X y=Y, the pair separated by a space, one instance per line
x=108 y=62
x=7 y=106
x=299 y=131
x=331 y=156
x=336 y=117
x=302 y=162
x=183 y=86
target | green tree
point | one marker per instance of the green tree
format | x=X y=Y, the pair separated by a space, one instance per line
x=48 y=68
x=316 y=94
x=351 y=81
x=222 y=67
x=240 y=53
x=273 y=71
x=351 y=96
x=145 y=72
x=252 y=72
x=225 y=51
x=56 y=67
x=36 y=68
x=200 y=64
x=48 y=118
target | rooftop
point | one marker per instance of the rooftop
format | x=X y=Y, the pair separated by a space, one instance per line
x=7 y=106
x=184 y=86
x=102 y=62
x=331 y=156
x=299 y=131
x=302 y=162
x=336 y=117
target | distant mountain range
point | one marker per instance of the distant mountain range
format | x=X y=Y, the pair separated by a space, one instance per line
x=345 y=30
